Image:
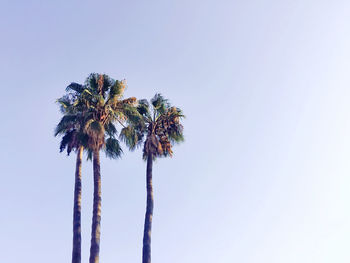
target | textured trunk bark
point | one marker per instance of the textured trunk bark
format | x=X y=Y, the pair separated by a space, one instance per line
x=76 y=254
x=146 y=252
x=96 y=216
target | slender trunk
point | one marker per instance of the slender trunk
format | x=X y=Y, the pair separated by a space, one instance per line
x=96 y=216
x=146 y=252
x=76 y=254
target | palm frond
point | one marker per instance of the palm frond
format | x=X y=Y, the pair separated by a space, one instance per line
x=160 y=104
x=116 y=91
x=75 y=87
x=131 y=114
x=89 y=154
x=92 y=83
x=68 y=141
x=67 y=122
x=111 y=130
x=113 y=149
x=131 y=137
x=108 y=82
x=143 y=109
x=65 y=103
x=176 y=137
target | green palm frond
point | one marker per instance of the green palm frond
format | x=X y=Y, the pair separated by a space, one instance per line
x=131 y=114
x=160 y=104
x=113 y=149
x=143 y=109
x=75 y=87
x=107 y=84
x=89 y=154
x=67 y=122
x=131 y=137
x=111 y=130
x=158 y=100
x=176 y=137
x=65 y=103
x=116 y=91
x=91 y=83
x=68 y=141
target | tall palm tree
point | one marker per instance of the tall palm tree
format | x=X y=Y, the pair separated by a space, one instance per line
x=160 y=126
x=70 y=128
x=101 y=100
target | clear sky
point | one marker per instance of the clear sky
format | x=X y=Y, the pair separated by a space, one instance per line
x=263 y=176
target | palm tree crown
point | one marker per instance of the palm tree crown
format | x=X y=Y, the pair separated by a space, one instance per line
x=160 y=126
x=91 y=112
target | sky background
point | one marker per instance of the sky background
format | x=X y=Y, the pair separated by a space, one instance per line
x=263 y=176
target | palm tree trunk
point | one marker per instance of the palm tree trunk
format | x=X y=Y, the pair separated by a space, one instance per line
x=76 y=254
x=146 y=253
x=96 y=216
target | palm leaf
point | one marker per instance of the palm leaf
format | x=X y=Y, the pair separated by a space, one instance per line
x=75 y=87
x=67 y=122
x=131 y=137
x=113 y=149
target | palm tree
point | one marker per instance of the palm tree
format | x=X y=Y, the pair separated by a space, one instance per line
x=160 y=125
x=70 y=128
x=101 y=100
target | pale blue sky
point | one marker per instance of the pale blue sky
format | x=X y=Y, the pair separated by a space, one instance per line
x=263 y=176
